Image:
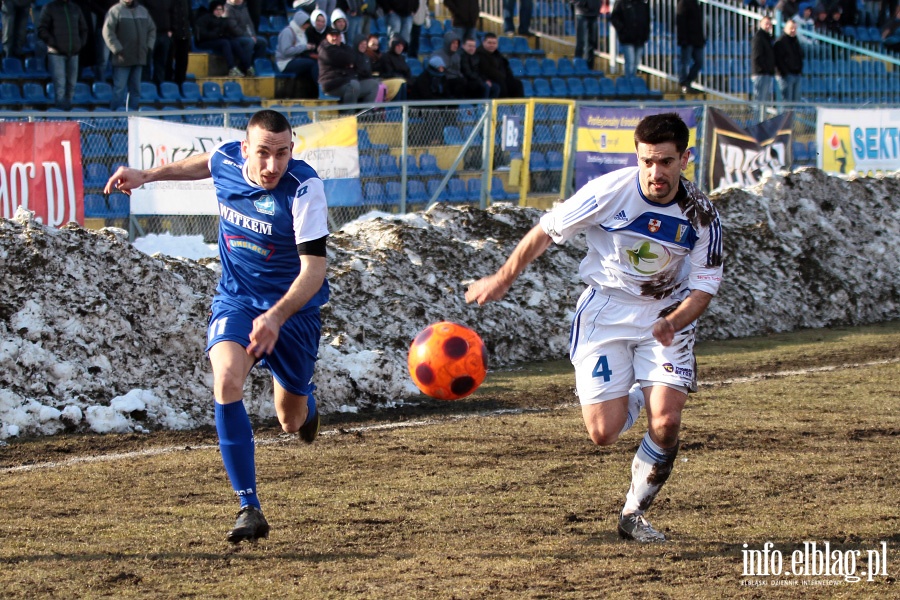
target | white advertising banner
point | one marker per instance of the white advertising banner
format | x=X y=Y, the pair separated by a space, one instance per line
x=858 y=140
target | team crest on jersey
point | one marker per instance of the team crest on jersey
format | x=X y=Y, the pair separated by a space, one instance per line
x=654 y=225
x=265 y=205
x=679 y=233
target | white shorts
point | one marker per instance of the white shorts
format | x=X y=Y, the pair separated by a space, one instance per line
x=611 y=345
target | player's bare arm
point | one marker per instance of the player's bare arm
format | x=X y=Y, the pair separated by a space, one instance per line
x=687 y=312
x=126 y=179
x=267 y=325
x=494 y=287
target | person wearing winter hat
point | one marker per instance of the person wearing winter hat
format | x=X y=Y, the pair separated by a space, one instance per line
x=432 y=83
x=220 y=35
x=292 y=55
x=318 y=24
x=392 y=63
x=339 y=21
x=337 y=72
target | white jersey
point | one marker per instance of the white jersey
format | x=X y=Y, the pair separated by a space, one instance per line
x=647 y=250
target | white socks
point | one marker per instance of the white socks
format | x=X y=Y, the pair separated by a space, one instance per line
x=635 y=404
x=650 y=469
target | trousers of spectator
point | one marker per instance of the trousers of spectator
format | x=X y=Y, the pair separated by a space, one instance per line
x=177 y=63
x=155 y=69
x=633 y=56
x=691 y=64
x=15 y=28
x=303 y=68
x=356 y=26
x=101 y=56
x=586 y=38
x=229 y=49
x=356 y=91
x=126 y=80
x=465 y=33
x=509 y=10
x=250 y=50
x=402 y=26
x=64 y=74
x=763 y=86
x=789 y=85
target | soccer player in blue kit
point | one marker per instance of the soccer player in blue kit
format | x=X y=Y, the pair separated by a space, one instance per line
x=653 y=264
x=272 y=232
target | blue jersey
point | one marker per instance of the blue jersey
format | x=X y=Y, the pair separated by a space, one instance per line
x=259 y=229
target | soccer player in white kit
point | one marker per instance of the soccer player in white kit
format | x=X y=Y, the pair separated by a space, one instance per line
x=272 y=242
x=653 y=264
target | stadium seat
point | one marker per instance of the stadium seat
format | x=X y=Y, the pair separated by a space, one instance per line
x=498 y=191
x=95 y=175
x=102 y=93
x=564 y=67
x=554 y=160
x=368 y=166
x=558 y=88
x=624 y=88
x=387 y=165
x=33 y=94
x=149 y=94
x=801 y=153
x=169 y=93
x=558 y=133
x=582 y=69
x=190 y=91
x=473 y=188
x=233 y=93
x=415 y=66
x=374 y=193
x=36 y=68
x=453 y=136
x=212 y=93
x=548 y=68
x=537 y=162
x=532 y=67
x=392 y=192
x=541 y=134
x=412 y=169
x=428 y=165
x=542 y=88
x=576 y=87
x=265 y=68
x=118 y=144
x=95 y=146
x=119 y=206
x=298 y=118
x=591 y=87
x=12 y=69
x=527 y=88
x=365 y=143
x=506 y=46
x=456 y=190
x=416 y=191
x=517 y=67
x=432 y=186
x=95 y=206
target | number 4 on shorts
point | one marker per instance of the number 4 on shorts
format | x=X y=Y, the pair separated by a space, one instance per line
x=601 y=369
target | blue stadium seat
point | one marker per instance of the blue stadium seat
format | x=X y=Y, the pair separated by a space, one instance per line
x=387 y=165
x=265 y=68
x=591 y=87
x=548 y=68
x=521 y=46
x=800 y=152
x=95 y=146
x=428 y=165
x=149 y=94
x=576 y=87
x=541 y=134
x=95 y=175
x=12 y=69
x=412 y=169
x=119 y=206
x=558 y=88
x=473 y=188
x=527 y=88
x=532 y=67
x=623 y=88
x=416 y=191
x=365 y=142
x=374 y=193
x=506 y=46
x=436 y=28
x=95 y=206
x=554 y=160
x=564 y=67
x=582 y=69
x=33 y=94
x=102 y=93
x=118 y=144
x=517 y=67
x=498 y=191
x=368 y=166
x=415 y=66
x=537 y=162
x=169 y=93
x=190 y=91
x=558 y=133
x=453 y=136
x=456 y=190
x=233 y=93
x=392 y=192
x=212 y=93
x=36 y=68
x=542 y=88
x=432 y=186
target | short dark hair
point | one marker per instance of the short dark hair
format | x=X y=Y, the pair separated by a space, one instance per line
x=662 y=128
x=269 y=120
x=489 y=35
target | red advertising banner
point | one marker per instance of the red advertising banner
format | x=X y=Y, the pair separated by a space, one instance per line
x=40 y=169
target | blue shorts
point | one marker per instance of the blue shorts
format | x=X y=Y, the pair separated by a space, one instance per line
x=294 y=358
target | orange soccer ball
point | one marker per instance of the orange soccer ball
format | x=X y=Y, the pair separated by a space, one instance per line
x=447 y=361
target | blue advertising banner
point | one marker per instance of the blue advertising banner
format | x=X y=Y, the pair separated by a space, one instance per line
x=605 y=140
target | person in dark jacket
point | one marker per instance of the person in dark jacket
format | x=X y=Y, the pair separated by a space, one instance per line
x=631 y=18
x=162 y=13
x=586 y=14
x=129 y=33
x=177 y=62
x=337 y=71
x=762 y=61
x=15 y=26
x=789 y=63
x=465 y=17
x=392 y=63
x=220 y=35
x=469 y=62
x=691 y=40
x=449 y=54
x=251 y=43
x=494 y=67
x=432 y=83
x=63 y=28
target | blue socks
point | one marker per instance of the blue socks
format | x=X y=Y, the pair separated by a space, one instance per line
x=238 y=452
x=310 y=407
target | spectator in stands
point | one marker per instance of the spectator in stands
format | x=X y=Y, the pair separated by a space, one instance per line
x=432 y=83
x=257 y=47
x=363 y=63
x=787 y=8
x=337 y=72
x=805 y=22
x=849 y=12
x=221 y=35
x=63 y=28
x=691 y=40
x=890 y=33
x=327 y=7
x=789 y=63
x=586 y=14
x=293 y=53
x=316 y=32
x=177 y=62
x=762 y=61
x=357 y=17
x=420 y=15
x=95 y=53
x=392 y=63
x=631 y=18
x=130 y=33
x=469 y=61
x=373 y=48
x=449 y=54
x=15 y=26
x=525 y=9
x=339 y=21
x=399 y=17
x=494 y=67
x=161 y=11
x=465 y=17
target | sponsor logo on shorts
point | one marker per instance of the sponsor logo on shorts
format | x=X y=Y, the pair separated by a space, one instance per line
x=680 y=371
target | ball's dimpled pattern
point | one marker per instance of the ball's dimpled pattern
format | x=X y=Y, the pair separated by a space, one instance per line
x=447 y=361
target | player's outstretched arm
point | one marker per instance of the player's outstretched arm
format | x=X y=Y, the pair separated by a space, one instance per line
x=126 y=179
x=494 y=287
x=687 y=312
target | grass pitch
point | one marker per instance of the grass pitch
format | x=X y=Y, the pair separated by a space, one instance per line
x=791 y=441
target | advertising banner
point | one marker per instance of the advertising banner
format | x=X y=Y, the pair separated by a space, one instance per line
x=742 y=157
x=40 y=170
x=861 y=141
x=605 y=140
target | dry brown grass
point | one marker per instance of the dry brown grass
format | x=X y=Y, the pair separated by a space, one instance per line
x=510 y=505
